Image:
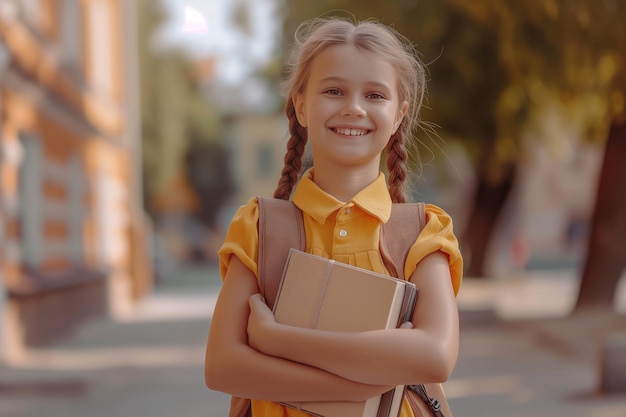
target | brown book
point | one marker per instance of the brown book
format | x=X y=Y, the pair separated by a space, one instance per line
x=319 y=293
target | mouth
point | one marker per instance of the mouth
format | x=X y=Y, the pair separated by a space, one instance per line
x=350 y=131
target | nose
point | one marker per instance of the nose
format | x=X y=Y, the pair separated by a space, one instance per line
x=353 y=108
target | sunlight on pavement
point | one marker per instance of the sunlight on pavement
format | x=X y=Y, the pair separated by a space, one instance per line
x=538 y=297
x=172 y=307
x=538 y=294
x=103 y=358
x=617 y=410
x=504 y=384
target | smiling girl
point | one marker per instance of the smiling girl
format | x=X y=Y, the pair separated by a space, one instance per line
x=354 y=91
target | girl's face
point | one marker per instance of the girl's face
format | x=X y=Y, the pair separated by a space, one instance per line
x=350 y=107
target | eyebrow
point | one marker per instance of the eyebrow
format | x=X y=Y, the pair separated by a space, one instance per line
x=376 y=84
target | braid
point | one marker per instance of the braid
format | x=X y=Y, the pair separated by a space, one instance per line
x=293 y=157
x=397 y=157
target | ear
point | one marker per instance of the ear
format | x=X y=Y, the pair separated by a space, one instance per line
x=298 y=104
x=404 y=109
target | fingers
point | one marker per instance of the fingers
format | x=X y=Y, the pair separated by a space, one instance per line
x=406 y=325
x=256 y=298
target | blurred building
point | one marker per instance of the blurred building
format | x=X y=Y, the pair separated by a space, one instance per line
x=71 y=225
x=258 y=143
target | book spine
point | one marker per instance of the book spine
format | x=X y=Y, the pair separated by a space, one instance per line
x=408 y=303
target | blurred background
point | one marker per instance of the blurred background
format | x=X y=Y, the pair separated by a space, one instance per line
x=131 y=130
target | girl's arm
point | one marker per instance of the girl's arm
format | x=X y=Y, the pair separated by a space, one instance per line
x=234 y=367
x=425 y=353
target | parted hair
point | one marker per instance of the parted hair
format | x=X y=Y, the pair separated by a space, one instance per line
x=379 y=41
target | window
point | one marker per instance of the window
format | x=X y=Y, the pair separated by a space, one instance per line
x=76 y=211
x=29 y=200
x=265 y=160
x=71 y=36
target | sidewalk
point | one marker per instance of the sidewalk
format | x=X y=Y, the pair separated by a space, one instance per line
x=523 y=354
x=147 y=364
x=518 y=358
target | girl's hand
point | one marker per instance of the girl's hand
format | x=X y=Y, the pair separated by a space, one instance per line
x=261 y=323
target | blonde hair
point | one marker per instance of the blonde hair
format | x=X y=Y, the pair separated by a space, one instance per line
x=376 y=39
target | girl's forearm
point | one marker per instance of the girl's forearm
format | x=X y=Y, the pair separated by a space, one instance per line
x=393 y=357
x=245 y=372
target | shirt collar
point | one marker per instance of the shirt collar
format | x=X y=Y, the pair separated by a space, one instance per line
x=373 y=199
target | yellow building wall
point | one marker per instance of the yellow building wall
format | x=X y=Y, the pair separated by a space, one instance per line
x=80 y=123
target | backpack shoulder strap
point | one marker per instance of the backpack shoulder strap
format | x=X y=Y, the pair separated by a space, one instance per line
x=280 y=229
x=399 y=233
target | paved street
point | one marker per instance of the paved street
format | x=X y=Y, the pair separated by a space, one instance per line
x=518 y=357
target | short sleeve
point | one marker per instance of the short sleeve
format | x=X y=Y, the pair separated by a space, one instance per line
x=242 y=238
x=437 y=235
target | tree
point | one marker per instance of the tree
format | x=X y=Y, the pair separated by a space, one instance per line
x=579 y=56
x=177 y=120
x=602 y=38
x=606 y=254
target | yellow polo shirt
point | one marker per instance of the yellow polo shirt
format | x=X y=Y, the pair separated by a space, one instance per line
x=346 y=232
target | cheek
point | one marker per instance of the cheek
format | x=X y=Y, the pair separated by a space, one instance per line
x=390 y=118
x=398 y=116
x=319 y=114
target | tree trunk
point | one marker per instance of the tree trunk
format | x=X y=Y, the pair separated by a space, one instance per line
x=606 y=251
x=489 y=200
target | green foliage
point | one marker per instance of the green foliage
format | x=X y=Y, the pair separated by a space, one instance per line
x=561 y=52
x=496 y=66
x=171 y=106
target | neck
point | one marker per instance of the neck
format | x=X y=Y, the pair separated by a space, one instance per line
x=343 y=183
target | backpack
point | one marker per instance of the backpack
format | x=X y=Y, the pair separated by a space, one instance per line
x=280 y=224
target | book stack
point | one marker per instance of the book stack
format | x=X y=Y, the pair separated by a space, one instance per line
x=319 y=293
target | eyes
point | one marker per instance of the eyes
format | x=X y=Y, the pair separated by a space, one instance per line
x=375 y=96
x=369 y=96
x=333 y=92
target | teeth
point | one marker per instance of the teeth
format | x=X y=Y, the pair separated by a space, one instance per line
x=351 y=132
